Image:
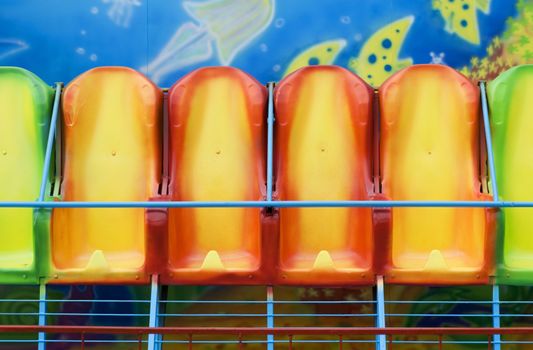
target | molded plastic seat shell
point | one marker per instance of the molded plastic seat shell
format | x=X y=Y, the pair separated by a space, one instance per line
x=510 y=98
x=217 y=119
x=323 y=152
x=111 y=152
x=25 y=109
x=430 y=150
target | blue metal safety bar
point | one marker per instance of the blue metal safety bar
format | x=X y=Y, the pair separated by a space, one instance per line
x=494 y=190
x=488 y=141
x=50 y=143
x=270 y=141
x=270 y=162
x=275 y=204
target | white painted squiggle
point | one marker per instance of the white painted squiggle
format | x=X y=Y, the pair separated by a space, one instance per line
x=10 y=47
x=121 y=11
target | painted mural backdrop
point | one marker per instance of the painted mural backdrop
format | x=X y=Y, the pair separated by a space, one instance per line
x=59 y=39
x=165 y=39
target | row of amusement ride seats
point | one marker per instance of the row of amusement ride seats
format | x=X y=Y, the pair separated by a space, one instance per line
x=418 y=137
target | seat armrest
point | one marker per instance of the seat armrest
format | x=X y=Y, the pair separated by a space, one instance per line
x=382 y=226
x=493 y=232
x=269 y=242
x=42 y=220
x=156 y=238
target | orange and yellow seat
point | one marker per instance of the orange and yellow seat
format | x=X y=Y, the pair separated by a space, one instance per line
x=25 y=108
x=430 y=150
x=111 y=152
x=324 y=152
x=217 y=118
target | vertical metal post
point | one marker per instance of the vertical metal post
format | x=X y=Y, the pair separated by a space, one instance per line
x=488 y=140
x=270 y=156
x=154 y=311
x=381 y=339
x=50 y=143
x=270 y=140
x=496 y=314
x=494 y=188
x=270 y=316
x=41 y=338
x=42 y=315
x=161 y=309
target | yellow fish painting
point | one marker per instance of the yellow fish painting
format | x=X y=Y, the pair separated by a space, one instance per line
x=461 y=17
x=322 y=53
x=378 y=58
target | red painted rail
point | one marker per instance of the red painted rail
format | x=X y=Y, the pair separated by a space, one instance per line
x=289 y=332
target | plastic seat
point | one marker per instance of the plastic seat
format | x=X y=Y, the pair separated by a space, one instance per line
x=510 y=99
x=111 y=152
x=25 y=108
x=323 y=145
x=430 y=150
x=217 y=153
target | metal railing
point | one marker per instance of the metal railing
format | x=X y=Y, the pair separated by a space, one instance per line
x=239 y=333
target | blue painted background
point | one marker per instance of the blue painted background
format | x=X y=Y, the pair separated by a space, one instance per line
x=59 y=39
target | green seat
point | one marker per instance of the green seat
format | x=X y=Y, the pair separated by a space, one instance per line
x=511 y=103
x=25 y=106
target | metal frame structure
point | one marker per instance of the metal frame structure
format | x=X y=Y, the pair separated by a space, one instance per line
x=154 y=332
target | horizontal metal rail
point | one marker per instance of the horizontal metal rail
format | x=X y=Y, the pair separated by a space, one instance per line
x=260 y=331
x=274 y=204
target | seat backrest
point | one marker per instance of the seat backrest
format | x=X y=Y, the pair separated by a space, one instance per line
x=217 y=153
x=510 y=99
x=25 y=108
x=429 y=150
x=323 y=152
x=111 y=152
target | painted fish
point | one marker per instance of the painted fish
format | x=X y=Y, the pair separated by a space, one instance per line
x=322 y=53
x=189 y=45
x=461 y=17
x=378 y=58
x=232 y=23
x=227 y=25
